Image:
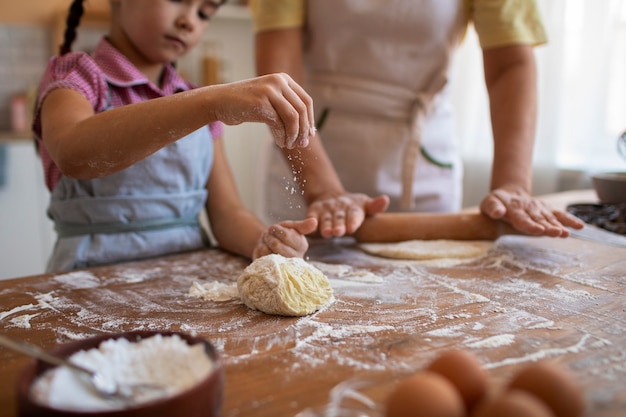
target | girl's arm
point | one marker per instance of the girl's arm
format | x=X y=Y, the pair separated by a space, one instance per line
x=237 y=230
x=88 y=145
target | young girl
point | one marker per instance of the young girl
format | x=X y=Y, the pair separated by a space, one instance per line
x=128 y=156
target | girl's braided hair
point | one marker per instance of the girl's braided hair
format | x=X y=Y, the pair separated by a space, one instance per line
x=73 y=20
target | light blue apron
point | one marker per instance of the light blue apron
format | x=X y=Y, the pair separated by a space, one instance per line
x=149 y=209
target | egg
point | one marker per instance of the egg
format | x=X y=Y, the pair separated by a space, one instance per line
x=515 y=403
x=465 y=372
x=554 y=386
x=425 y=394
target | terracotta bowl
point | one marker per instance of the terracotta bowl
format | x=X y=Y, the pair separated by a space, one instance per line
x=202 y=400
x=610 y=187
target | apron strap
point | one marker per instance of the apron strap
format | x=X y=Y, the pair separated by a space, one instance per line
x=379 y=99
x=76 y=229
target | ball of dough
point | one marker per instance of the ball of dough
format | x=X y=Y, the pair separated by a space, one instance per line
x=274 y=284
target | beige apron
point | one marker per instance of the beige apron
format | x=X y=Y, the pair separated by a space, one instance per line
x=380 y=69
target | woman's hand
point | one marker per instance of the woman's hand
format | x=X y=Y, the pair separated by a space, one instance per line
x=527 y=214
x=274 y=99
x=285 y=238
x=338 y=216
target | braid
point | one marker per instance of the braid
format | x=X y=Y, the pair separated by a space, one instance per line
x=73 y=20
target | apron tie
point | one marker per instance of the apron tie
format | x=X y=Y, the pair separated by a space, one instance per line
x=65 y=229
x=411 y=152
x=393 y=102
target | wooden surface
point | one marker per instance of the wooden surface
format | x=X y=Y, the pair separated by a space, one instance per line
x=562 y=300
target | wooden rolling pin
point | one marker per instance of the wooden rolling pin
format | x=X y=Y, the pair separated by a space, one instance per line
x=396 y=227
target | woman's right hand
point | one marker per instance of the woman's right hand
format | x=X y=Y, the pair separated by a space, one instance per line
x=274 y=99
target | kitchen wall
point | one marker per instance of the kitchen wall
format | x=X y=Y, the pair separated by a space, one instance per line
x=23 y=55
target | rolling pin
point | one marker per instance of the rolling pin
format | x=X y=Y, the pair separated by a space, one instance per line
x=396 y=227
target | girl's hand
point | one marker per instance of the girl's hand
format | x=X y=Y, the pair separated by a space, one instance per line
x=527 y=214
x=342 y=215
x=274 y=99
x=285 y=238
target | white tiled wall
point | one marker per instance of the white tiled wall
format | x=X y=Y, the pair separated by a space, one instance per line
x=24 y=51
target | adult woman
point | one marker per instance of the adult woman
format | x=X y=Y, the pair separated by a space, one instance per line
x=380 y=71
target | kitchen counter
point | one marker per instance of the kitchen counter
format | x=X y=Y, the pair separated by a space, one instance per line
x=528 y=299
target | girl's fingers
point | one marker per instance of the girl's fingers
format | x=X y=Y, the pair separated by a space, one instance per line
x=293 y=114
x=287 y=116
x=303 y=127
x=275 y=100
x=287 y=238
x=308 y=103
x=295 y=109
x=303 y=227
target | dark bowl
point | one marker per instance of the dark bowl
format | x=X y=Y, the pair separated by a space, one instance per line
x=202 y=400
x=610 y=187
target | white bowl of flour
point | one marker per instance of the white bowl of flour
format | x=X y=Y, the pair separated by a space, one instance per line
x=187 y=368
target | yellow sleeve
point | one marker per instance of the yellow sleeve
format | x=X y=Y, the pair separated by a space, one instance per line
x=277 y=14
x=507 y=22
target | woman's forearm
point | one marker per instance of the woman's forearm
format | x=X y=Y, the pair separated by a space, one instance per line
x=511 y=82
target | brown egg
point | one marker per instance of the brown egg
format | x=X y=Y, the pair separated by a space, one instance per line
x=515 y=403
x=554 y=386
x=425 y=394
x=465 y=372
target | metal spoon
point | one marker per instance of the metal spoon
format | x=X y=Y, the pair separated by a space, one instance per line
x=105 y=388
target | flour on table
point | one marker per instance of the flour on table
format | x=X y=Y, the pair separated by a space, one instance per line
x=348 y=273
x=429 y=249
x=274 y=284
x=214 y=291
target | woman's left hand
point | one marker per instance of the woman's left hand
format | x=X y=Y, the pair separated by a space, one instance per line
x=286 y=238
x=343 y=215
x=527 y=214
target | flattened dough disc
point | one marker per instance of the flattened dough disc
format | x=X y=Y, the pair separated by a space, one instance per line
x=429 y=249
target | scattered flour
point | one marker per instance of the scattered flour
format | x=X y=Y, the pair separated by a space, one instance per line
x=215 y=291
x=23 y=321
x=493 y=341
x=17 y=309
x=541 y=354
x=348 y=273
x=78 y=279
x=449 y=331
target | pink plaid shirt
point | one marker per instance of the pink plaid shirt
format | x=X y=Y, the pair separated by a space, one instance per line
x=107 y=79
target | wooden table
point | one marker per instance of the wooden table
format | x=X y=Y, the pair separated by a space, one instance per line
x=562 y=300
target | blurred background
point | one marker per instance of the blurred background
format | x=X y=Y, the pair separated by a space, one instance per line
x=582 y=106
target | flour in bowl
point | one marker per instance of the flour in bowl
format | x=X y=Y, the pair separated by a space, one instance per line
x=167 y=361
